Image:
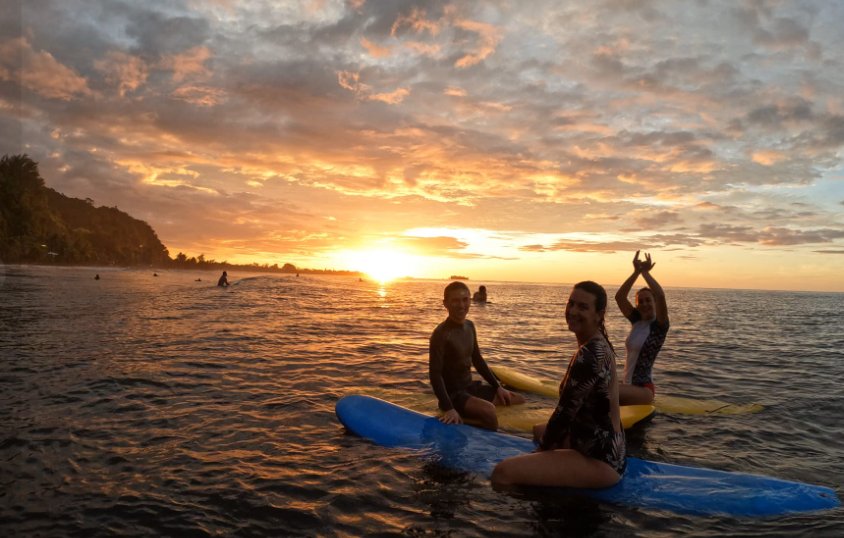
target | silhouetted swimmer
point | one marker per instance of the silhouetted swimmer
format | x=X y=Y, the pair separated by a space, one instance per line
x=155 y=274
x=97 y=277
x=480 y=295
x=198 y=280
x=223 y=280
x=297 y=275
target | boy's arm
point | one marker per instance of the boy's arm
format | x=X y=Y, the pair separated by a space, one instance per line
x=480 y=364
x=436 y=356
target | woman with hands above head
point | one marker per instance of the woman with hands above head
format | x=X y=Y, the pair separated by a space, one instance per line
x=650 y=326
x=582 y=445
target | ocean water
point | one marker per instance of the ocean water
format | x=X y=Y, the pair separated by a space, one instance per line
x=143 y=406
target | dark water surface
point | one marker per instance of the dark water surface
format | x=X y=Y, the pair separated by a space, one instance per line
x=141 y=406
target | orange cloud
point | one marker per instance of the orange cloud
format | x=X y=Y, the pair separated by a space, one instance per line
x=417 y=21
x=125 y=71
x=192 y=62
x=39 y=71
x=391 y=98
x=200 y=95
x=768 y=157
x=376 y=51
x=488 y=38
x=455 y=91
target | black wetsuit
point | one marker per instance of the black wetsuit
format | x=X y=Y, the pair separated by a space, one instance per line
x=453 y=352
x=583 y=414
x=223 y=281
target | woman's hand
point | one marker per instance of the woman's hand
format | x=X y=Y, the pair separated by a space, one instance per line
x=637 y=263
x=647 y=264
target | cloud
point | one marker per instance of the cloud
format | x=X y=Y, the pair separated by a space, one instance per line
x=487 y=40
x=39 y=71
x=768 y=157
x=191 y=63
x=392 y=98
x=770 y=236
x=659 y=220
x=123 y=70
x=376 y=51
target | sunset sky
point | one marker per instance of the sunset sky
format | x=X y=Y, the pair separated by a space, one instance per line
x=530 y=141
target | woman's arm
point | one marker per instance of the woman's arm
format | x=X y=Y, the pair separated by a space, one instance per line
x=581 y=378
x=622 y=293
x=656 y=289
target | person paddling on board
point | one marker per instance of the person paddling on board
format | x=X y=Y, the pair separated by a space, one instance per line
x=480 y=295
x=583 y=444
x=223 y=280
x=453 y=351
x=650 y=326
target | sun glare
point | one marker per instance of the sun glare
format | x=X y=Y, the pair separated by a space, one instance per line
x=384 y=265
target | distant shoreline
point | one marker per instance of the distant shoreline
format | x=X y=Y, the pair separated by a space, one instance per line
x=162 y=268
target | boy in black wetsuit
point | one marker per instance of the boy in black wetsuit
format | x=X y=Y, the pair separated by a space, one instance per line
x=453 y=352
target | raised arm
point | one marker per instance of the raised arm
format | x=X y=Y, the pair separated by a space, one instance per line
x=656 y=289
x=621 y=295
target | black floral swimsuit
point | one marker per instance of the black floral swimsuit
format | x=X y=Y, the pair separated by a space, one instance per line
x=583 y=413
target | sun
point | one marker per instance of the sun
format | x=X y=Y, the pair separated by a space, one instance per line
x=384 y=265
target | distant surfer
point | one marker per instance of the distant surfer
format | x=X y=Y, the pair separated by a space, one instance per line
x=223 y=280
x=480 y=295
x=650 y=326
x=297 y=275
x=583 y=444
x=198 y=280
x=97 y=277
x=452 y=354
x=155 y=274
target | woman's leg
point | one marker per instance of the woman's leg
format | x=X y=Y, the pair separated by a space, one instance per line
x=539 y=430
x=562 y=468
x=634 y=395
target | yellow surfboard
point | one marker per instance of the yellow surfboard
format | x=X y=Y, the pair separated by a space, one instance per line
x=663 y=404
x=510 y=417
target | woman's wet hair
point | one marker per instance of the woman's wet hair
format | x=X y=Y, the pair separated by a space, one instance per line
x=482 y=288
x=600 y=294
x=641 y=290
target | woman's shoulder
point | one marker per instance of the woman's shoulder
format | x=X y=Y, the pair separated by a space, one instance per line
x=596 y=349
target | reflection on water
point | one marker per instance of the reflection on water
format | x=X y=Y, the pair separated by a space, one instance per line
x=164 y=406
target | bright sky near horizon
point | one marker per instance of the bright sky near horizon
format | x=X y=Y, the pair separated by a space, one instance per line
x=531 y=141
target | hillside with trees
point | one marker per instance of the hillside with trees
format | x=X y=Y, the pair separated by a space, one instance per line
x=41 y=226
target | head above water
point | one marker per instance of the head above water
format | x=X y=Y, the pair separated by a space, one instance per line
x=482 y=289
x=225 y=274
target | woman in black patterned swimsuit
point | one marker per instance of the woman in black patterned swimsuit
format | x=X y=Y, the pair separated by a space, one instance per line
x=583 y=444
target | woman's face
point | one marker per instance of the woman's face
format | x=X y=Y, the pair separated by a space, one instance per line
x=581 y=316
x=645 y=304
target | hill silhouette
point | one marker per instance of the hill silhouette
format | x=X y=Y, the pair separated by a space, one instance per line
x=42 y=226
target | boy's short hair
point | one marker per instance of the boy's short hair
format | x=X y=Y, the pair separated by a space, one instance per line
x=454 y=286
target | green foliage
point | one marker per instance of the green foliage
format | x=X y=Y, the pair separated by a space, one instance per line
x=40 y=225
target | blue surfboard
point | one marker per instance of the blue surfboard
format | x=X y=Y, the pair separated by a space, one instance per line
x=680 y=489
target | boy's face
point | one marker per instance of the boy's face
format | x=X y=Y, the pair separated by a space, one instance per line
x=457 y=303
